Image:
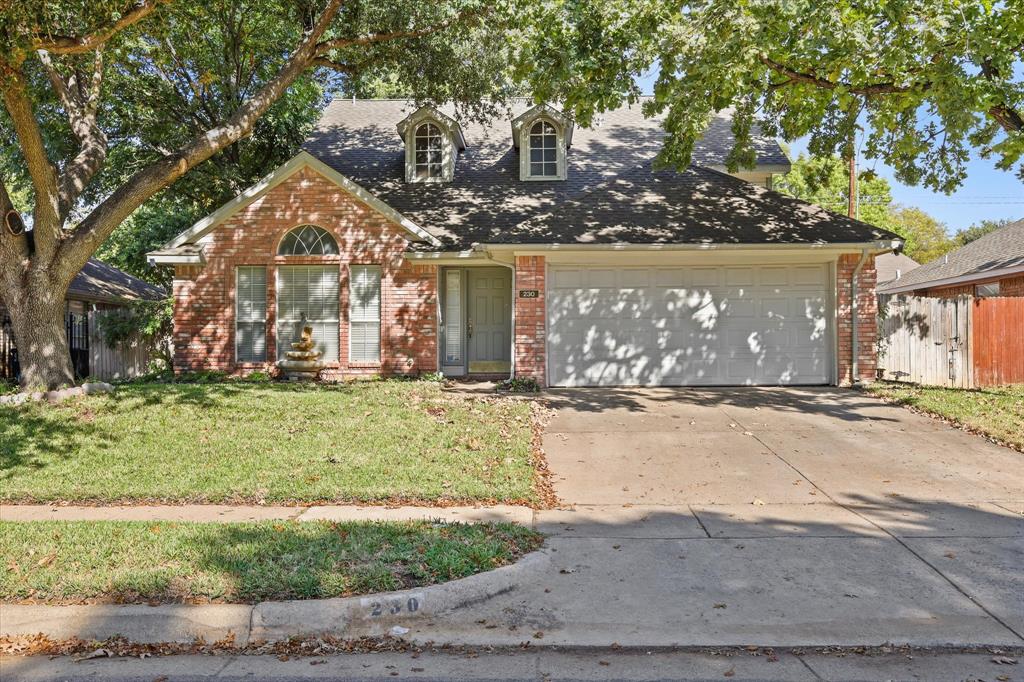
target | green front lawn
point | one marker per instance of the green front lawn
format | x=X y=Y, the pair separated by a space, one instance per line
x=384 y=441
x=996 y=412
x=130 y=562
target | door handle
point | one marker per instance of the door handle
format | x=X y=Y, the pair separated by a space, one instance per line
x=469 y=328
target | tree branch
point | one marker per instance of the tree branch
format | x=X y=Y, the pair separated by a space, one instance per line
x=103 y=219
x=1009 y=118
x=372 y=38
x=135 y=13
x=46 y=223
x=80 y=104
x=870 y=89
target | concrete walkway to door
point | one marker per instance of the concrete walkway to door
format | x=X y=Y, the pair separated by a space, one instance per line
x=763 y=516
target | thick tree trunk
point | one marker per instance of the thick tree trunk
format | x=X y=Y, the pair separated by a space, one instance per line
x=37 y=320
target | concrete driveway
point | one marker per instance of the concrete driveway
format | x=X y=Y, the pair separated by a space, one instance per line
x=765 y=516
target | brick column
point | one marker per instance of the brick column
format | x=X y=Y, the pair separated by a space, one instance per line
x=530 y=323
x=867 y=324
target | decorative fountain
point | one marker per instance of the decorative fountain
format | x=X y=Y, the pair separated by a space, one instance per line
x=302 y=362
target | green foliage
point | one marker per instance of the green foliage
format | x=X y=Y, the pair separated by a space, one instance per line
x=925 y=238
x=979 y=230
x=825 y=181
x=149 y=321
x=520 y=385
x=927 y=81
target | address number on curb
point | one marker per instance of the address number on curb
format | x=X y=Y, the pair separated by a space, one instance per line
x=375 y=607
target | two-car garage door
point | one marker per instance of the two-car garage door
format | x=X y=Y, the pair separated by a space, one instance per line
x=678 y=326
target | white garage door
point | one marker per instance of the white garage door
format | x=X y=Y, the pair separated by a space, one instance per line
x=680 y=326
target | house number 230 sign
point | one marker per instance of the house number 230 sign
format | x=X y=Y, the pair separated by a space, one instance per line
x=529 y=293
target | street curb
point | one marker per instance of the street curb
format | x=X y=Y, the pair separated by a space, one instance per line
x=349 y=617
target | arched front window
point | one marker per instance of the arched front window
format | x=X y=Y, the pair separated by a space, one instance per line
x=308 y=240
x=543 y=150
x=428 y=151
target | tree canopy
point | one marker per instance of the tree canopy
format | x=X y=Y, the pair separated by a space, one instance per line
x=926 y=81
x=107 y=105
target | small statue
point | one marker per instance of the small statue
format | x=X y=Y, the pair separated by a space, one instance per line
x=305 y=342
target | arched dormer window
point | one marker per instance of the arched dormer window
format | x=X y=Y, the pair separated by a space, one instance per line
x=433 y=141
x=542 y=135
x=543 y=150
x=429 y=151
x=308 y=240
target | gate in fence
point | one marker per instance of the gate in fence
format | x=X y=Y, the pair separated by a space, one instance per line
x=963 y=342
x=926 y=340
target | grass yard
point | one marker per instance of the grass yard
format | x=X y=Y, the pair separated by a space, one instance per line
x=140 y=562
x=383 y=441
x=995 y=412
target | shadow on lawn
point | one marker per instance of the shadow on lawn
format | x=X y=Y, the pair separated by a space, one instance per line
x=31 y=433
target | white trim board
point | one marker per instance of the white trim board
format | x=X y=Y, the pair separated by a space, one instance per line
x=301 y=160
x=959 y=279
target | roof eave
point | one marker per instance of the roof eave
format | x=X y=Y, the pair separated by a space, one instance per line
x=879 y=246
x=959 y=279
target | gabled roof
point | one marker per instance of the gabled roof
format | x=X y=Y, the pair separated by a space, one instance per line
x=98 y=281
x=181 y=249
x=890 y=266
x=426 y=112
x=487 y=203
x=539 y=111
x=996 y=254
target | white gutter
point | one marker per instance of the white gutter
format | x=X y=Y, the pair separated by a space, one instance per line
x=524 y=248
x=175 y=259
x=853 y=314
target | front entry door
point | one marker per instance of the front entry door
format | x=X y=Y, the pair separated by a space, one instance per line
x=489 y=320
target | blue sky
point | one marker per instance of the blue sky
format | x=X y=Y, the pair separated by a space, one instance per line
x=986 y=193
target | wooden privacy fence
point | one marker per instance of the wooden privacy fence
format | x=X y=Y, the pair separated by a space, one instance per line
x=963 y=342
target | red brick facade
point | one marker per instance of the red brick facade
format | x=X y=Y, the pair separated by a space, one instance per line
x=204 y=312
x=204 y=318
x=530 y=336
x=867 y=325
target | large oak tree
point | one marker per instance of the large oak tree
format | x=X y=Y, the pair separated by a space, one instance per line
x=108 y=102
x=923 y=82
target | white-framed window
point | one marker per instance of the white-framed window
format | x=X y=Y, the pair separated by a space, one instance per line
x=251 y=313
x=429 y=152
x=989 y=289
x=308 y=240
x=308 y=294
x=543 y=146
x=364 y=313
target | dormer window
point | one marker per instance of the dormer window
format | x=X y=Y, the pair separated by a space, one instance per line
x=543 y=150
x=433 y=141
x=429 y=152
x=542 y=135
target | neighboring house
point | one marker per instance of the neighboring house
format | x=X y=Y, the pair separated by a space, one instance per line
x=96 y=288
x=990 y=266
x=412 y=242
x=890 y=267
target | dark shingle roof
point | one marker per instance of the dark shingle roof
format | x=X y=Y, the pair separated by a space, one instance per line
x=610 y=163
x=997 y=250
x=98 y=281
x=890 y=265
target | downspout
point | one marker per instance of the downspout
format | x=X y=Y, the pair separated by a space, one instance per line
x=853 y=313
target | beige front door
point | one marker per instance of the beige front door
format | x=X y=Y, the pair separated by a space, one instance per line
x=489 y=319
